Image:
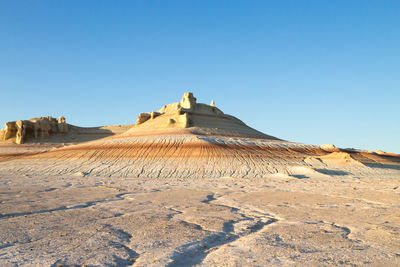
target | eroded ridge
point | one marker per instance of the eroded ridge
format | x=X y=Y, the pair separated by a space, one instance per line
x=185 y=140
x=185 y=155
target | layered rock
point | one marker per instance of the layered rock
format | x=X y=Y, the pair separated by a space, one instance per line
x=62 y=125
x=195 y=116
x=36 y=128
x=190 y=139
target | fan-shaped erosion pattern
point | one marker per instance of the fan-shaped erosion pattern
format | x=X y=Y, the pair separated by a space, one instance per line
x=183 y=139
x=189 y=185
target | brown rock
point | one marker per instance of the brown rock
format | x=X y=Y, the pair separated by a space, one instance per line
x=20 y=132
x=35 y=128
x=10 y=130
x=188 y=101
x=62 y=125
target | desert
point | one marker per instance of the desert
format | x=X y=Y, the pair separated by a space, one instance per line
x=199 y=133
x=188 y=185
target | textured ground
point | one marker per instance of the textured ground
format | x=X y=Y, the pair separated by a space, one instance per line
x=337 y=219
x=188 y=154
x=188 y=197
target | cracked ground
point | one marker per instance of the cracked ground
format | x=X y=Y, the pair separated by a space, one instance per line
x=105 y=221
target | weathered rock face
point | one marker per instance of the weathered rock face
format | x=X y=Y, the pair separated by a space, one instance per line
x=184 y=114
x=35 y=128
x=20 y=132
x=10 y=129
x=142 y=118
x=330 y=148
x=195 y=117
x=194 y=142
x=188 y=101
x=62 y=125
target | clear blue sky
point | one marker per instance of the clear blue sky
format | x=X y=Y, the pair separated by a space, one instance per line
x=308 y=71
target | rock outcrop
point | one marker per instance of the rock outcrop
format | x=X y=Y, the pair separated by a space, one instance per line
x=21 y=131
x=329 y=148
x=188 y=101
x=35 y=128
x=185 y=140
x=62 y=125
x=189 y=114
x=10 y=129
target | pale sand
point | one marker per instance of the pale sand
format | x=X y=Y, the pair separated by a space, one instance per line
x=336 y=219
x=193 y=186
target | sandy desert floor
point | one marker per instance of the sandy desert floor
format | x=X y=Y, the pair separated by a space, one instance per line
x=326 y=219
x=192 y=186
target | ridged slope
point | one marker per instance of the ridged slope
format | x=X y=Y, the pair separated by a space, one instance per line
x=181 y=140
x=178 y=154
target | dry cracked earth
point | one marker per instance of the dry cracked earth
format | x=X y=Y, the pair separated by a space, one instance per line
x=336 y=219
x=191 y=186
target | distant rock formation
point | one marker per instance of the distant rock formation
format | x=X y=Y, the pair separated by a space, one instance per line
x=147 y=116
x=180 y=115
x=21 y=131
x=35 y=128
x=62 y=125
x=10 y=129
x=194 y=116
x=188 y=101
x=182 y=140
x=329 y=148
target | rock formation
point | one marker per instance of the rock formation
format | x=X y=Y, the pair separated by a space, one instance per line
x=201 y=188
x=20 y=132
x=188 y=101
x=330 y=148
x=10 y=129
x=35 y=128
x=185 y=139
x=189 y=114
x=62 y=125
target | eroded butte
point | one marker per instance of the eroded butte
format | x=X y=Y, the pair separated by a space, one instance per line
x=189 y=185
